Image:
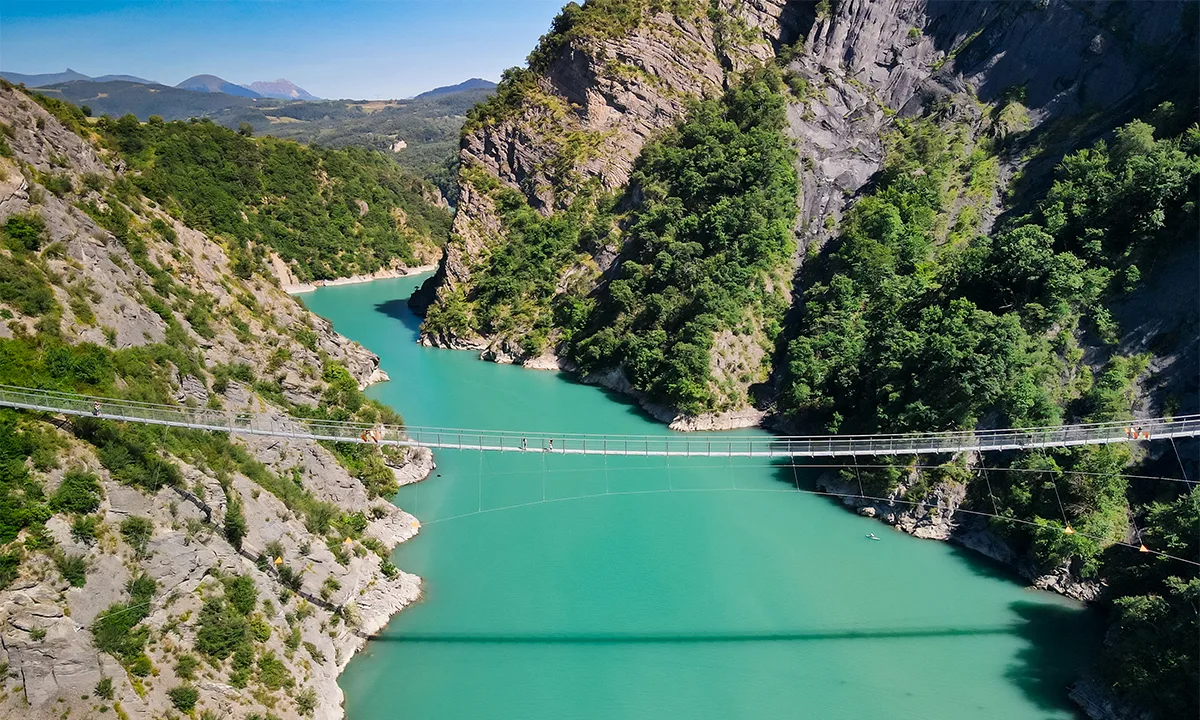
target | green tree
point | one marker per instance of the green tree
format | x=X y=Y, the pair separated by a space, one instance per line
x=235 y=520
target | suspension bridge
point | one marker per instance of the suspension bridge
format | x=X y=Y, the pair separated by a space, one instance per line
x=680 y=445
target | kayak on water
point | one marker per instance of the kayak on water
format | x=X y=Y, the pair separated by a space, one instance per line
x=871 y=536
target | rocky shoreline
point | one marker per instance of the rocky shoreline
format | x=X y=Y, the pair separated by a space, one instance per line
x=385 y=274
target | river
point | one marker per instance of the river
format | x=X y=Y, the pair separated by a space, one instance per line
x=642 y=588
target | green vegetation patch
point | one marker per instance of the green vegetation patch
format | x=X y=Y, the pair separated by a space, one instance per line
x=117 y=630
x=718 y=200
x=331 y=212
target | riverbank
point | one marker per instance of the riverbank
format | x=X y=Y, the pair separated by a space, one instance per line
x=385 y=274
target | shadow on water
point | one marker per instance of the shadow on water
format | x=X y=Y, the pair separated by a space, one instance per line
x=397 y=309
x=1059 y=639
x=987 y=567
x=683 y=639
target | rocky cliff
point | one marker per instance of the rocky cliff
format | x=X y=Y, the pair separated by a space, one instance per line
x=1042 y=77
x=93 y=269
x=582 y=118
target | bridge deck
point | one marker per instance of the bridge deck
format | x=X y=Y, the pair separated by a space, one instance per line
x=681 y=445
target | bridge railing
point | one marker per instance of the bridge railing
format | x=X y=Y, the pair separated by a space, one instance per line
x=710 y=444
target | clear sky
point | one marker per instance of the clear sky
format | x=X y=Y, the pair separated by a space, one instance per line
x=332 y=48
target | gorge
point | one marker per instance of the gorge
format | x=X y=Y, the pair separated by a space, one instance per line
x=739 y=216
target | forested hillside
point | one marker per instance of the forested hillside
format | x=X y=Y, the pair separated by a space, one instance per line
x=420 y=133
x=705 y=253
x=328 y=213
x=849 y=217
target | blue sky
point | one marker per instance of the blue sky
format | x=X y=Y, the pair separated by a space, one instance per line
x=332 y=48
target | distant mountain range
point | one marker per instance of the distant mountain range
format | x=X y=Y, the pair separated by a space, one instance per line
x=472 y=84
x=69 y=75
x=279 y=89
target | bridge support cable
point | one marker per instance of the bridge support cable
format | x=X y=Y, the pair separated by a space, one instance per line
x=1067 y=525
x=1179 y=459
x=992 y=495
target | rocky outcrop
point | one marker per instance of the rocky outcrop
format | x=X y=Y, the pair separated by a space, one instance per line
x=1099 y=702
x=868 y=61
x=933 y=514
x=344 y=592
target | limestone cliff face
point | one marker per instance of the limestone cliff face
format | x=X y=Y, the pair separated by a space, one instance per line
x=593 y=108
x=51 y=665
x=1088 y=65
x=1078 y=69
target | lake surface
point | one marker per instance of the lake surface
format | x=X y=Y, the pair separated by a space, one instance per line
x=641 y=588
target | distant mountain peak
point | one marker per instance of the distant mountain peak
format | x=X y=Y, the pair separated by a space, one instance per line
x=212 y=83
x=282 y=89
x=472 y=84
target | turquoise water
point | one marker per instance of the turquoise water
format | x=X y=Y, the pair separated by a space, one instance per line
x=645 y=589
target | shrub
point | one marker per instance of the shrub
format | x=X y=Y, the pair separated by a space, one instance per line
x=141 y=666
x=290 y=578
x=320 y=516
x=79 y=492
x=235 y=521
x=241 y=593
x=292 y=641
x=10 y=562
x=185 y=666
x=313 y=652
x=329 y=587
x=115 y=630
x=37 y=634
x=73 y=568
x=184 y=697
x=24 y=232
x=104 y=689
x=306 y=701
x=24 y=286
x=85 y=528
x=137 y=532
x=272 y=673
x=221 y=630
x=60 y=185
